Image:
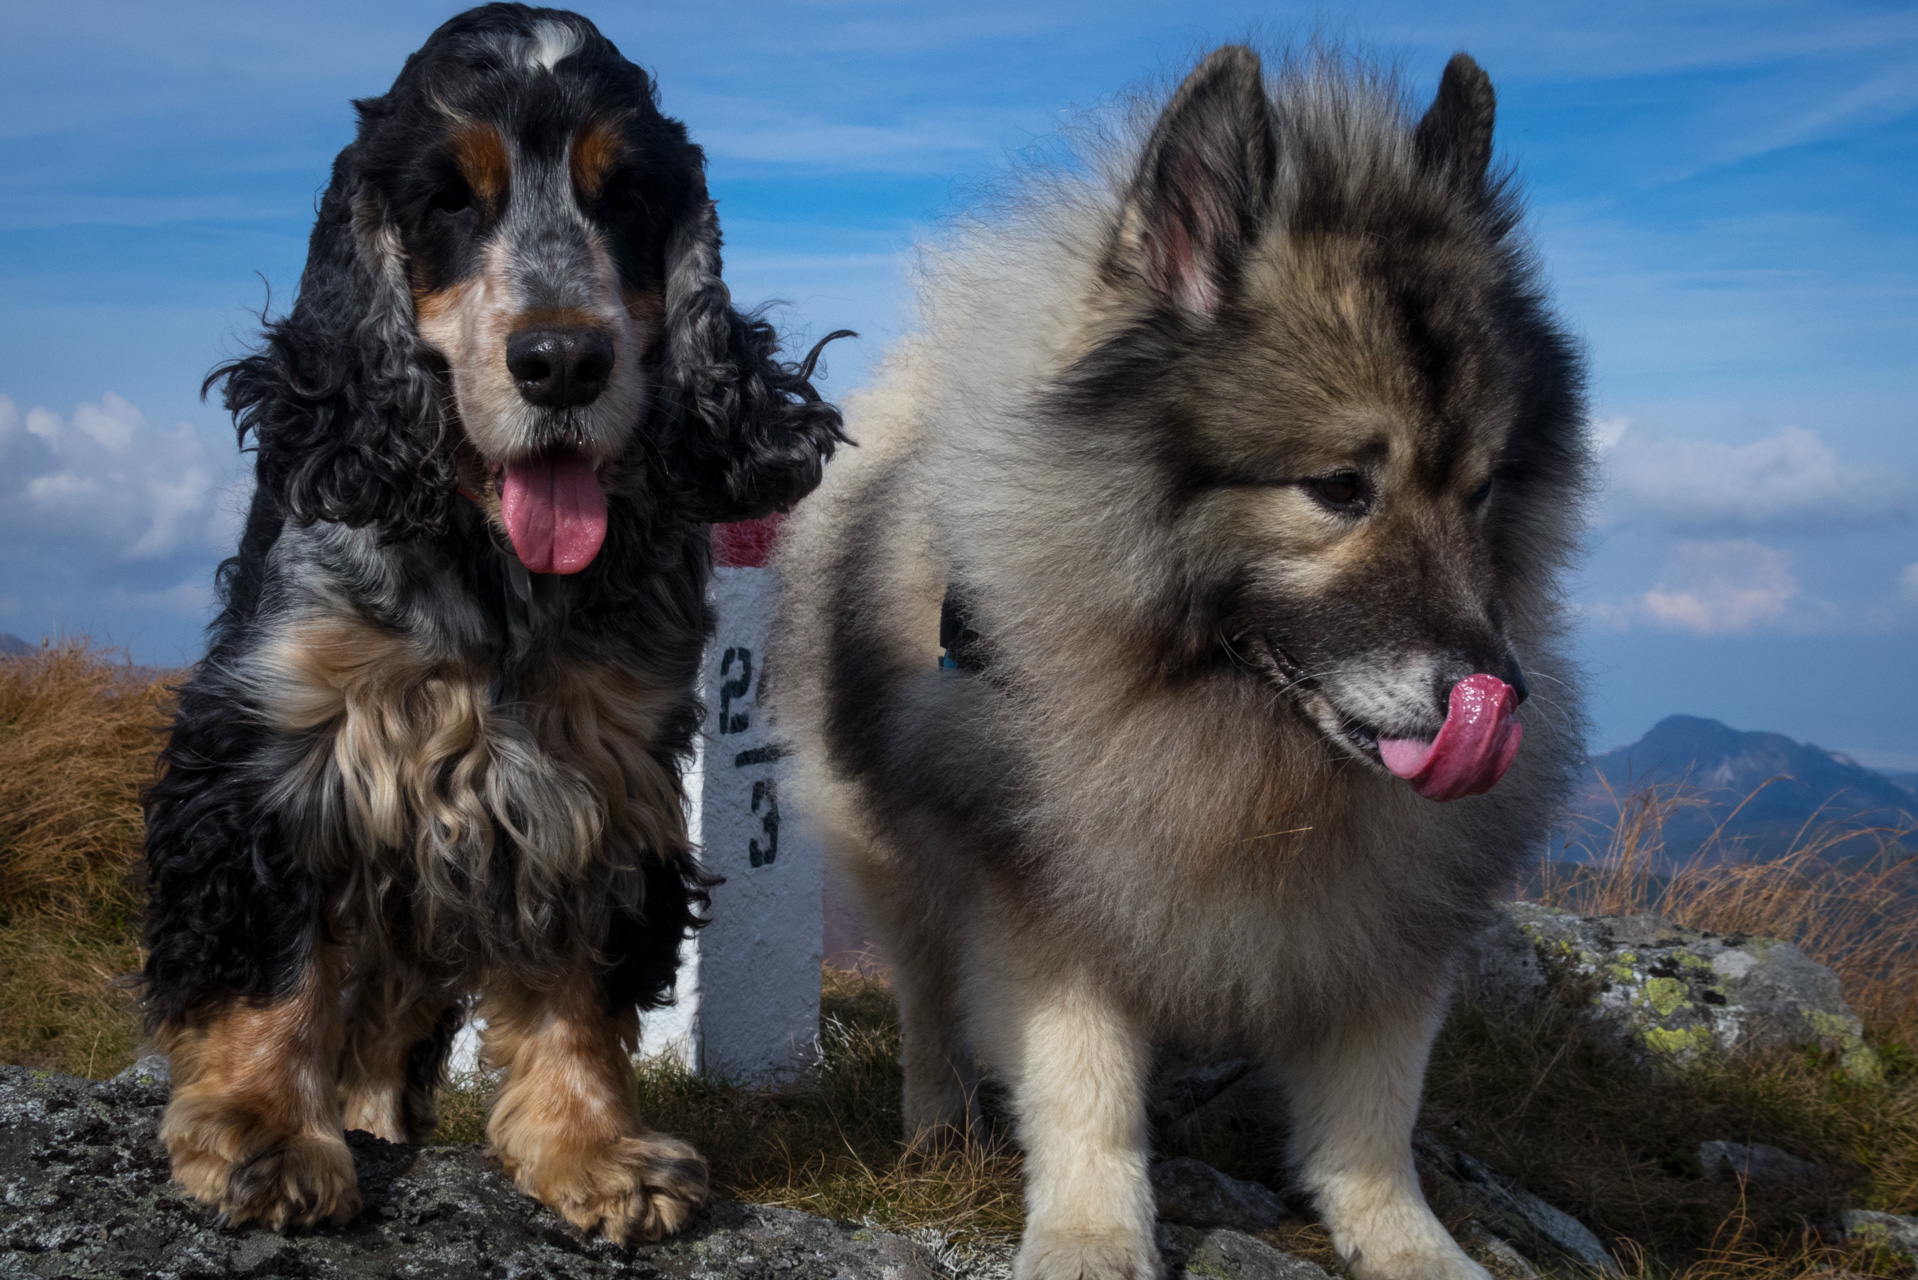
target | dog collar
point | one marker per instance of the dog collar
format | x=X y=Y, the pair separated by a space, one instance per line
x=962 y=646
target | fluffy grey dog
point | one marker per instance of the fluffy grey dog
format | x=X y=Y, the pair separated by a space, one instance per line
x=1235 y=469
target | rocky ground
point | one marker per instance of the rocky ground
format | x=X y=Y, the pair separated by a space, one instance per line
x=84 y=1186
x=84 y=1192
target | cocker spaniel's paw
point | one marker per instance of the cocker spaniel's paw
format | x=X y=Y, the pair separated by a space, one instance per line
x=253 y=1170
x=633 y=1190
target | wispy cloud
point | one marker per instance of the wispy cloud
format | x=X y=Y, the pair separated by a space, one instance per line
x=1729 y=588
x=1791 y=479
x=104 y=485
x=1725 y=587
x=1722 y=588
x=824 y=145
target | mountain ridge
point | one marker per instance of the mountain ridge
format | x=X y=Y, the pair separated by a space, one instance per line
x=1764 y=788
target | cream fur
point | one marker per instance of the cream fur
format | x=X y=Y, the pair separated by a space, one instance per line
x=1104 y=841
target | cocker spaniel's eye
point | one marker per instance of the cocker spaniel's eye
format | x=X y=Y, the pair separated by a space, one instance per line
x=1479 y=495
x=628 y=200
x=1343 y=491
x=451 y=198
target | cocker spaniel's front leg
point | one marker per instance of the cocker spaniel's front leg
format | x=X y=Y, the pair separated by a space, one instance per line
x=253 y=1127
x=566 y=1121
x=399 y=1030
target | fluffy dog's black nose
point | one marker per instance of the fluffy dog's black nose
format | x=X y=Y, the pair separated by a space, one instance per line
x=1514 y=675
x=1505 y=666
x=560 y=366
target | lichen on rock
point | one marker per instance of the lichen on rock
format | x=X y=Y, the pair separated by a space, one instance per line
x=1675 y=991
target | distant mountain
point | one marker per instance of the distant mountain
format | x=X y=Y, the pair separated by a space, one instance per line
x=1800 y=783
x=12 y=646
x=1906 y=779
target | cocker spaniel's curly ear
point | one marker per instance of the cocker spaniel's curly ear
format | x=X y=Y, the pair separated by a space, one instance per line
x=753 y=434
x=345 y=413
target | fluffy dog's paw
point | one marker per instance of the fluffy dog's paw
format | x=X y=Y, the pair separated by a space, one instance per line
x=1443 y=1262
x=633 y=1190
x=251 y=1173
x=1113 y=1256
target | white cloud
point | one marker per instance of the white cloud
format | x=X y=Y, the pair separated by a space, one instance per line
x=104 y=485
x=1791 y=479
x=1723 y=588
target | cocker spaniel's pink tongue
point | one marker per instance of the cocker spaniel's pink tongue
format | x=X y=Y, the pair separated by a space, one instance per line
x=554 y=510
x=1472 y=751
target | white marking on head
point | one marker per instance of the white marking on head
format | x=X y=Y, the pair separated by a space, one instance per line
x=551 y=43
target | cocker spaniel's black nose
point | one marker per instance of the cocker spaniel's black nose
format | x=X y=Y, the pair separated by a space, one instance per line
x=560 y=366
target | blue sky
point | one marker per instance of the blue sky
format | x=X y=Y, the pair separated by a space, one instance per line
x=1726 y=195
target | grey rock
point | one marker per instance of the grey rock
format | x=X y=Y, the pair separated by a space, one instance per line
x=1894 y=1231
x=85 y=1191
x=1545 y=1235
x=1673 y=991
x=150 y=1068
x=1197 y=1195
x=1225 y=1254
x=1755 y=1162
x=1192 y=1089
x=1191 y=1102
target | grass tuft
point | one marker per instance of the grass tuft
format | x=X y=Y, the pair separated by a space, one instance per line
x=78 y=732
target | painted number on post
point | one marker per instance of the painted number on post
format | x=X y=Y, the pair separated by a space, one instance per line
x=729 y=722
x=735 y=680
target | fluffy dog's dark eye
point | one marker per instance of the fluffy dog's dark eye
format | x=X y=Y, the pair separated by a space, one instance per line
x=1345 y=491
x=451 y=198
x=1479 y=495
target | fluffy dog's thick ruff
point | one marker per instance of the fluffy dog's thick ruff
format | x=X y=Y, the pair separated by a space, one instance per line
x=1234 y=456
x=408 y=771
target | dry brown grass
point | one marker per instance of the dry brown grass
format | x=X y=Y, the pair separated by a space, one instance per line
x=1737 y=1252
x=78 y=732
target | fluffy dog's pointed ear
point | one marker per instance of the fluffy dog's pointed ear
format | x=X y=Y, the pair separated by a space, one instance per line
x=753 y=434
x=1204 y=185
x=1456 y=132
x=344 y=412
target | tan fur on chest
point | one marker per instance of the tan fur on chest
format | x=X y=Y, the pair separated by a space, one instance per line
x=428 y=769
x=602 y=719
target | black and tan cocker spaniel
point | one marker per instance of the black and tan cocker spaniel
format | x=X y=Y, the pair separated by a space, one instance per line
x=433 y=750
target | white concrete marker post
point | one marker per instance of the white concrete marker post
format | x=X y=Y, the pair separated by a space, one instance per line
x=747 y=1007
x=748 y=994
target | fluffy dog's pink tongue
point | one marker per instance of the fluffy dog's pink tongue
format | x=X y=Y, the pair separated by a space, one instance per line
x=554 y=511
x=1473 y=749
